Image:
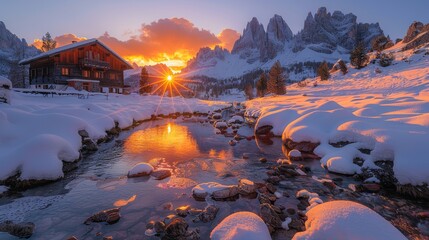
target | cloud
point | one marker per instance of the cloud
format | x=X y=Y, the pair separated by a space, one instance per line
x=172 y=41
x=67 y=39
x=228 y=38
x=61 y=40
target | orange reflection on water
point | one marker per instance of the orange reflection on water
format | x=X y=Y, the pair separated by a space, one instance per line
x=170 y=139
x=124 y=202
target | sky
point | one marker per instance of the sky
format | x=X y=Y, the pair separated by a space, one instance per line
x=147 y=32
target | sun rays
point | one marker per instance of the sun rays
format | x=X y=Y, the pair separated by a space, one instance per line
x=167 y=84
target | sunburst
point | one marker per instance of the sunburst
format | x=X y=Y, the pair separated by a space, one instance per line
x=172 y=85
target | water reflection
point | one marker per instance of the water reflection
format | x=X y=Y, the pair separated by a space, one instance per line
x=171 y=140
x=124 y=202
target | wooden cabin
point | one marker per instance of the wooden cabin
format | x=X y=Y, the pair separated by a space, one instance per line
x=87 y=65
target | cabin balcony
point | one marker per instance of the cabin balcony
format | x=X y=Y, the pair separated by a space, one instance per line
x=86 y=62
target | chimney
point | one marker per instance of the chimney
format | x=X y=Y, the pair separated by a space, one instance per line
x=74 y=42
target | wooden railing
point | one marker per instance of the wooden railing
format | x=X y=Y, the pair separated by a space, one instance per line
x=86 y=62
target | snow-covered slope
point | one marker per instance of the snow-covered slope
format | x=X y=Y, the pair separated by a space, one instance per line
x=325 y=37
x=385 y=112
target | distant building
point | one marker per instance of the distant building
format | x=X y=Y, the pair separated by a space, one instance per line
x=87 y=65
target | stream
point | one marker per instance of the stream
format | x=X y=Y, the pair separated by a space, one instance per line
x=196 y=153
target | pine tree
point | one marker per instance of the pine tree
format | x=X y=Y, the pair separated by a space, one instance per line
x=276 y=82
x=323 y=71
x=343 y=67
x=358 y=57
x=48 y=42
x=144 y=82
x=261 y=85
x=380 y=43
x=248 y=90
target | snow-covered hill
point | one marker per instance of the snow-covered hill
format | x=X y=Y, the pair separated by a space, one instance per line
x=381 y=109
x=325 y=37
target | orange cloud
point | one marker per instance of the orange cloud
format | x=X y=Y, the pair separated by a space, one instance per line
x=228 y=38
x=61 y=40
x=172 y=41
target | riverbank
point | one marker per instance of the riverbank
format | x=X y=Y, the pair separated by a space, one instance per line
x=42 y=136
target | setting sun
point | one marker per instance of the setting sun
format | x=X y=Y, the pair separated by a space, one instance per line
x=169 y=78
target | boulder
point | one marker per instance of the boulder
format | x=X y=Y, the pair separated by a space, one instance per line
x=89 y=145
x=307 y=147
x=140 y=169
x=208 y=214
x=263 y=130
x=109 y=216
x=246 y=186
x=161 y=174
x=183 y=211
x=270 y=216
x=295 y=155
x=177 y=229
x=83 y=133
x=215 y=190
x=21 y=230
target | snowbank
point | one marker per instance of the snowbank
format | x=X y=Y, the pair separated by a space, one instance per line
x=384 y=113
x=241 y=225
x=346 y=220
x=38 y=133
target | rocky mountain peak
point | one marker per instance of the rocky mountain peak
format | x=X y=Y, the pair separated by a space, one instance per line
x=413 y=30
x=337 y=29
x=251 y=42
x=417 y=34
x=278 y=29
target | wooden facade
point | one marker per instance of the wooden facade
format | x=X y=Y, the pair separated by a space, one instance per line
x=88 y=60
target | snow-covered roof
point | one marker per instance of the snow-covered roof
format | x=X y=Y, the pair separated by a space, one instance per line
x=5 y=81
x=82 y=80
x=71 y=46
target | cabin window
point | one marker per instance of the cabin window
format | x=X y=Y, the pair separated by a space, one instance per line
x=101 y=74
x=85 y=73
x=97 y=74
x=112 y=76
x=65 y=71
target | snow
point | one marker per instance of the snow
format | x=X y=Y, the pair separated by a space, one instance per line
x=312 y=198
x=140 y=169
x=285 y=224
x=236 y=119
x=39 y=133
x=3 y=189
x=209 y=188
x=5 y=81
x=386 y=113
x=239 y=226
x=221 y=124
x=294 y=153
x=346 y=220
x=71 y=46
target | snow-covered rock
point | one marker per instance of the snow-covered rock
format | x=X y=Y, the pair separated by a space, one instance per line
x=221 y=125
x=140 y=169
x=346 y=220
x=241 y=225
x=236 y=119
x=294 y=155
x=216 y=190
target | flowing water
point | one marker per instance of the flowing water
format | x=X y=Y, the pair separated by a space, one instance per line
x=194 y=152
